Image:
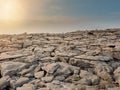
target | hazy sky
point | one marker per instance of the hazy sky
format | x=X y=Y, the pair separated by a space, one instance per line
x=59 y=15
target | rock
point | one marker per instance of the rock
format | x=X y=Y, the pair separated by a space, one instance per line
x=113 y=50
x=60 y=78
x=25 y=71
x=115 y=88
x=27 y=87
x=39 y=74
x=80 y=60
x=47 y=79
x=89 y=76
x=51 y=68
x=77 y=71
x=38 y=83
x=43 y=89
x=74 y=87
x=38 y=68
x=49 y=59
x=85 y=81
x=31 y=59
x=117 y=71
x=63 y=59
x=114 y=64
x=67 y=71
x=4 y=82
x=5 y=56
x=117 y=75
x=51 y=86
x=65 y=53
x=27 y=43
x=104 y=71
x=79 y=63
x=56 y=82
x=11 y=68
x=49 y=48
x=99 y=57
x=91 y=88
x=21 y=81
x=29 y=75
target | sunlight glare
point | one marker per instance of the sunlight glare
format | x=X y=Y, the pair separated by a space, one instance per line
x=10 y=10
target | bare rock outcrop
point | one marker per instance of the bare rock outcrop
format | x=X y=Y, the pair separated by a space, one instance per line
x=81 y=60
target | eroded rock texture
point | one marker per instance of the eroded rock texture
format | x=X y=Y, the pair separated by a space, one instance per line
x=81 y=60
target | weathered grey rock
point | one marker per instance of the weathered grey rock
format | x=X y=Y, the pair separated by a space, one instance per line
x=63 y=53
x=117 y=71
x=63 y=59
x=29 y=75
x=49 y=48
x=114 y=64
x=101 y=57
x=21 y=81
x=113 y=50
x=82 y=60
x=115 y=88
x=84 y=81
x=30 y=59
x=30 y=69
x=117 y=75
x=43 y=89
x=49 y=59
x=67 y=71
x=90 y=77
x=56 y=82
x=5 y=56
x=27 y=43
x=10 y=68
x=77 y=71
x=38 y=68
x=39 y=74
x=47 y=79
x=27 y=87
x=51 y=68
x=91 y=88
x=104 y=71
x=60 y=78
x=38 y=83
x=74 y=87
x=80 y=63
x=4 y=82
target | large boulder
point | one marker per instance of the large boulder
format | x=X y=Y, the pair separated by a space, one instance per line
x=11 y=68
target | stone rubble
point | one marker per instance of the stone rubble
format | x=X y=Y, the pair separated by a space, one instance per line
x=81 y=60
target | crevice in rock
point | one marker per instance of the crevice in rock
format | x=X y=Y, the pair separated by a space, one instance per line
x=0 y=75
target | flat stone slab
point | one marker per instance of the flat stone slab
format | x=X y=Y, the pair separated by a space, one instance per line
x=5 y=56
x=94 y=58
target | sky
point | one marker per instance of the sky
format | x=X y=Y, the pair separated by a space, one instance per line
x=53 y=16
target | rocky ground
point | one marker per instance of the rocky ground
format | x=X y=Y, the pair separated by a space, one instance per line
x=81 y=60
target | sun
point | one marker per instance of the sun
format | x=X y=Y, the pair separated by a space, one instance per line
x=10 y=10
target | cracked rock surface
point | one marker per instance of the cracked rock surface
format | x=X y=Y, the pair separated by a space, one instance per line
x=81 y=60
